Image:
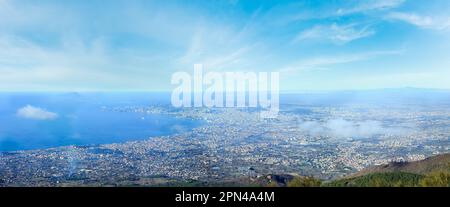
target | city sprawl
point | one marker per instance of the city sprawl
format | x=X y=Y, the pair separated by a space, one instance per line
x=232 y=144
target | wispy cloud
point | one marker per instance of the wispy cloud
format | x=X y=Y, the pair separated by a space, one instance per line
x=137 y=45
x=326 y=62
x=338 y=34
x=219 y=48
x=369 y=5
x=24 y=64
x=32 y=112
x=296 y=11
x=422 y=21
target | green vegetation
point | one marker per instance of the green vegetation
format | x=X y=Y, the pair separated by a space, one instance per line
x=430 y=172
x=436 y=179
x=391 y=179
x=304 y=182
x=272 y=184
x=388 y=179
x=394 y=179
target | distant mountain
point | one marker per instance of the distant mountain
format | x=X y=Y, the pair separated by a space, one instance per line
x=394 y=96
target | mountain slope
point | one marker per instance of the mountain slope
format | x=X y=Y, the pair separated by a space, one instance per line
x=428 y=165
x=431 y=172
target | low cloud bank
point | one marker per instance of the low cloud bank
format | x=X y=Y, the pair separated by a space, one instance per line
x=344 y=128
x=36 y=113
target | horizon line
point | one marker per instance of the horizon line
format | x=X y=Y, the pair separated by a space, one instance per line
x=169 y=91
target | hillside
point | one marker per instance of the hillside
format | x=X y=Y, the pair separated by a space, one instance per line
x=428 y=165
x=431 y=172
x=388 y=179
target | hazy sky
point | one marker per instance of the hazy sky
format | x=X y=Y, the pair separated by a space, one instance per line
x=76 y=45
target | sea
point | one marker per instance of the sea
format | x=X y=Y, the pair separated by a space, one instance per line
x=30 y=120
x=37 y=120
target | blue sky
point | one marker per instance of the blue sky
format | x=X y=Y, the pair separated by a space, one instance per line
x=77 y=45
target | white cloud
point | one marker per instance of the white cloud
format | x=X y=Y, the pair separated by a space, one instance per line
x=31 y=112
x=74 y=62
x=76 y=65
x=326 y=62
x=335 y=33
x=296 y=12
x=220 y=48
x=426 y=22
x=370 y=5
x=344 y=128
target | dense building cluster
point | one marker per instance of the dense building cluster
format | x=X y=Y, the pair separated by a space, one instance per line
x=322 y=141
